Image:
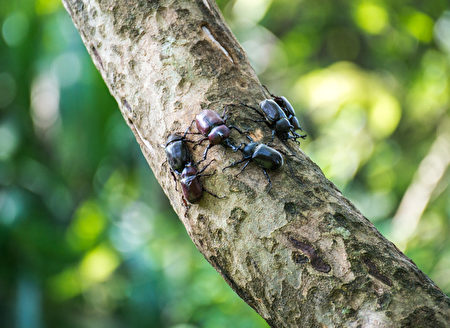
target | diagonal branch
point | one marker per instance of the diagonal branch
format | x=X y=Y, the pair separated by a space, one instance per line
x=416 y=198
x=301 y=254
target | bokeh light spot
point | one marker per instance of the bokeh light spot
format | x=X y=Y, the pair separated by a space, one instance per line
x=87 y=225
x=371 y=17
x=8 y=141
x=251 y=10
x=384 y=116
x=10 y=206
x=420 y=26
x=44 y=101
x=66 y=284
x=44 y=7
x=15 y=29
x=98 y=264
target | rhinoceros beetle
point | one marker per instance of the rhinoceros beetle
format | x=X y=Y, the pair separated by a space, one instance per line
x=180 y=160
x=190 y=183
x=279 y=115
x=275 y=118
x=289 y=111
x=266 y=157
x=214 y=128
x=177 y=152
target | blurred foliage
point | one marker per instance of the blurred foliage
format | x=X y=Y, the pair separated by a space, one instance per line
x=87 y=237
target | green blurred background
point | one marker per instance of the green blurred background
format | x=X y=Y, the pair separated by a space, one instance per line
x=87 y=237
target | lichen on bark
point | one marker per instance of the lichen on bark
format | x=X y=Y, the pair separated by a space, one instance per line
x=301 y=254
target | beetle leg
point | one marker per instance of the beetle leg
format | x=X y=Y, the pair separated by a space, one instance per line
x=225 y=112
x=206 y=175
x=303 y=136
x=255 y=109
x=234 y=148
x=174 y=179
x=294 y=138
x=188 y=128
x=239 y=147
x=272 y=95
x=212 y=194
x=205 y=167
x=235 y=163
x=243 y=168
x=268 y=179
x=237 y=129
x=284 y=153
x=228 y=143
x=199 y=142
x=186 y=205
x=273 y=136
x=205 y=153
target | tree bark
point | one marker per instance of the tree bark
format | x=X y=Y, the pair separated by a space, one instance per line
x=301 y=255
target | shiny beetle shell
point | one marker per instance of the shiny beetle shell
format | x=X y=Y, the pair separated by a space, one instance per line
x=191 y=185
x=207 y=120
x=295 y=123
x=218 y=134
x=267 y=157
x=284 y=103
x=272 y=111
x=283 y=126
x=177 y=152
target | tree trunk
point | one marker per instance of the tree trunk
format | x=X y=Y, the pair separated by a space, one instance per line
x=300 y=254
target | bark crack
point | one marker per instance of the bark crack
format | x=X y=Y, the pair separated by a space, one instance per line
x=217 y=43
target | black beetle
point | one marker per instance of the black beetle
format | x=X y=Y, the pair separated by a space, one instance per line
x=289 y=111
x=177 y=152
x=279 y=115
x=180 y=160
x=275 y=118
x=266 y=157
x=214 y=128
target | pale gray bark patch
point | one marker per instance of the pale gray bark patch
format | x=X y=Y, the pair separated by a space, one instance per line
x=301 y=255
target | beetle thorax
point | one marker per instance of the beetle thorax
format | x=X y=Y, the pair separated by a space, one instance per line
x=218 y=134
x=206 y=120
x=189 y=171
x=249 y=149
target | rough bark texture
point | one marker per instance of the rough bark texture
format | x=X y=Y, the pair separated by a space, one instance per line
x=301 y=254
